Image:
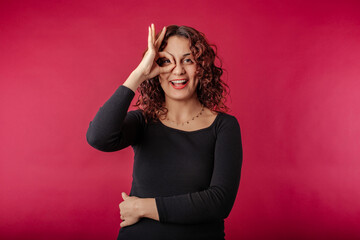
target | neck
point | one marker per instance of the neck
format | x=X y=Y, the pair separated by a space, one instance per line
x=183 y=110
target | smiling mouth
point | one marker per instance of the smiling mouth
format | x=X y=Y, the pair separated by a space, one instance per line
x=179 y=84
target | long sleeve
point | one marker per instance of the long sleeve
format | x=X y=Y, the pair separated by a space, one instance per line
x=113 y=128
x=216 y=202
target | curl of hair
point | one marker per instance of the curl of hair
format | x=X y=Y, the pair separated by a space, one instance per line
x=211 y=90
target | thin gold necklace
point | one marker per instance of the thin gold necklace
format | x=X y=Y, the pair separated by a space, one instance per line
x=188 y=121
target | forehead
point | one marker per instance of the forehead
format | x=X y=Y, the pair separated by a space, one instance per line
x=178 y=45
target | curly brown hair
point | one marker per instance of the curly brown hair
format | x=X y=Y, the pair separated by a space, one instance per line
x=211 y=90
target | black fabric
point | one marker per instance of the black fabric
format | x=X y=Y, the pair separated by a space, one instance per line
x=193 y=176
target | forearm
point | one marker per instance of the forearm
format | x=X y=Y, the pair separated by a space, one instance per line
x=106 y=131
x=148 y=209
x=109 y=119
x=134 y=80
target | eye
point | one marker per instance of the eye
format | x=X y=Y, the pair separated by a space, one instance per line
x=163 y=61
x=188 y=60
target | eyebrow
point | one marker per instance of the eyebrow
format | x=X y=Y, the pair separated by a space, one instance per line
x=186 y=54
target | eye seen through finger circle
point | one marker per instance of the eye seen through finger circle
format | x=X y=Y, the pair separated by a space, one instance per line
x=165 y=61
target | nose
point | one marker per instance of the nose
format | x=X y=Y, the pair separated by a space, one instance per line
x=178 y=70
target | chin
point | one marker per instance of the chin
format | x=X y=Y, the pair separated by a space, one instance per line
x=180 y=96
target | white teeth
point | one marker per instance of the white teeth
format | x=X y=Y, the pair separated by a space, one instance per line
x=178 y=81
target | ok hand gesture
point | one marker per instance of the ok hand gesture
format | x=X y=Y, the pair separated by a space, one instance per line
x=148 y=66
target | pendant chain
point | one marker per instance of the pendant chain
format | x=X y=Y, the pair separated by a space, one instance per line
x=188 y=121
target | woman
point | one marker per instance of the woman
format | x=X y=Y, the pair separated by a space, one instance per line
x=188 y=151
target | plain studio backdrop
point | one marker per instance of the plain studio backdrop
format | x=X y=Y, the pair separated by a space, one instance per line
x=293 y=69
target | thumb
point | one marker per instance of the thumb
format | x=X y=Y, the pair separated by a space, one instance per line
x=124 y=196
x=167 y=68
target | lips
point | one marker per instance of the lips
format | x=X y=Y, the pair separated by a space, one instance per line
x=179 y=83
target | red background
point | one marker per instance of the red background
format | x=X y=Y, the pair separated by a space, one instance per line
x=293 y=68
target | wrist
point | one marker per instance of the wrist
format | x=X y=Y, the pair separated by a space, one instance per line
x=141 y=207
x=147 y=208
x=137 y=74
x=134 y=80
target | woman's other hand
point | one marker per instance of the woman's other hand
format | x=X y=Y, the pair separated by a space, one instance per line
x=129 y=210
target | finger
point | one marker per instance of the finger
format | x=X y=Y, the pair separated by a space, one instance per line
x=153 y=33
x=167 y=68
x=123 y=195
x=165 y=54
x=149 y=39
x=160 y=39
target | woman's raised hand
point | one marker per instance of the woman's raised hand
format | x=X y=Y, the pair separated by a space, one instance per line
x=148 y=66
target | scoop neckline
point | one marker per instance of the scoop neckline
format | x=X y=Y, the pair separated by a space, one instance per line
x=194 y=131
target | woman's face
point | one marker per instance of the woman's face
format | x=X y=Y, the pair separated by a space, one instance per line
x=180 y=82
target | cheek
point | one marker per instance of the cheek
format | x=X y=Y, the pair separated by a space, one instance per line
x=191 y=70
x=163 y=77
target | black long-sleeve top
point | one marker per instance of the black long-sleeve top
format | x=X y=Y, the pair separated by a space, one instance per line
x=193 y=176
